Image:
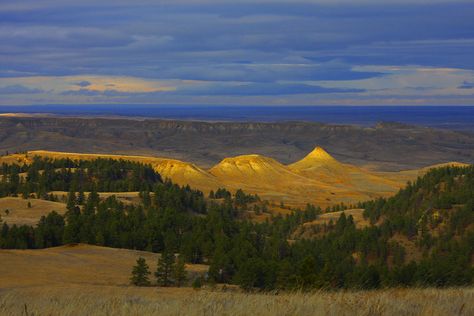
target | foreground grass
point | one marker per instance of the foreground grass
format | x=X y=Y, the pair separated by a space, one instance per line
x=113 y=300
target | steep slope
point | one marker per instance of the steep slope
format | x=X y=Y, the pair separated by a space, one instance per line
x=319 y=163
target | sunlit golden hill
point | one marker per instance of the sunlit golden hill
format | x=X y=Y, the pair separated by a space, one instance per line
x=320 y=165
x=318 y=178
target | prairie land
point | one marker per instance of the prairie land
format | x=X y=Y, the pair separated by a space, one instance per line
x=74 y=264
x=15 y=210
x=91 y=280
x=126 y=300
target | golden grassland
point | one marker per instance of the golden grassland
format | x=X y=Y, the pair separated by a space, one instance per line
x=15 y=210
x=318 y=178
x=114 y=300
x=73 y=264
x=91 y=280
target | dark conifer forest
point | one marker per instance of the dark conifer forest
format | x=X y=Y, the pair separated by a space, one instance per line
x=435 y=214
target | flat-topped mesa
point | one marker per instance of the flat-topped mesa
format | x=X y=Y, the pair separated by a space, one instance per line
x=247 y=163
x=251 y=158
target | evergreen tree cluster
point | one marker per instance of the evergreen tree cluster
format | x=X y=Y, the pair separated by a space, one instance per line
x=172 y=219
x=43 y=175
x=169 y=271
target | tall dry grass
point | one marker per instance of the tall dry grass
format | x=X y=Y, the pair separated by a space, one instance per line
x=152 y=301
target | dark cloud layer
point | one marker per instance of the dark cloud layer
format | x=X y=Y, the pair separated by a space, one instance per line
x=247 y=48
x=18 y=89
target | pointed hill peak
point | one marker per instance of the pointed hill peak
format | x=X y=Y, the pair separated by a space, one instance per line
x=320 y=154
x=316 y=159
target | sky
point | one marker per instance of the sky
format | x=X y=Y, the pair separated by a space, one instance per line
x=222 y=52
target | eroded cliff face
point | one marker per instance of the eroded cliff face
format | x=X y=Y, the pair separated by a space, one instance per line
x=387 y=146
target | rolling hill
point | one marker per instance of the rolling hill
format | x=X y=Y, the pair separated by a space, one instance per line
x=318 y=178
x=91 y=280
x=74 y=264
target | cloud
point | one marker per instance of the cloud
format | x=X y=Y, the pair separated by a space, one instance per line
x=262 y=89
x=466 y=85
x=83 y=83
x=18 y=89
x=105 y=93
x=273 y=51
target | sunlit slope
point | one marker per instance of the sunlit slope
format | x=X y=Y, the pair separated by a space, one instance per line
x=270 y=179
x=318 y=178
x=320 y=165
x=180 y=172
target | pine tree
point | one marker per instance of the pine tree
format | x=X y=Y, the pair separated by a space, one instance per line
x=165 y=268
x=71 y=200
x=140 y=273
x=81 y=198
x=197 y=283
x=179 y=272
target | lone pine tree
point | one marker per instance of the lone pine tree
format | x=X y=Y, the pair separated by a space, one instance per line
x=140 y=273
x=179 y=272
x=165 y=268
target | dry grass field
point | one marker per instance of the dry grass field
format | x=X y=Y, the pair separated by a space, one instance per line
x=76 y=300
x=73 y=264
x=91 y=280
x=15 y=210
